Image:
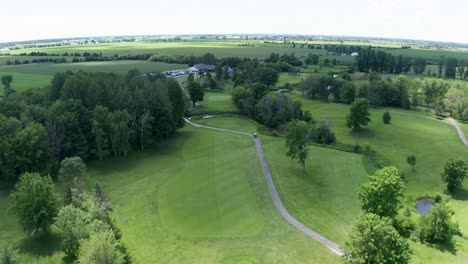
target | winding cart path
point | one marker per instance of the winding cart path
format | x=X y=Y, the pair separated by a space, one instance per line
x=335 y=248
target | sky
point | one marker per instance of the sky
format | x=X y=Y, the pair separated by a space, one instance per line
x=445 y=20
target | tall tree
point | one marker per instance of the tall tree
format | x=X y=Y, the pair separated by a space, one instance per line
x=143 y=123
x=196 y=92
x=101 y=131
x=358 y=114
x=32 y=150
x=296 y=141
x=120 y=132
x=267 y=76
x=383 y=193
x=374 y=240
x=35 y=203
x=6 y=81
x=178 y=101
x=72 y=168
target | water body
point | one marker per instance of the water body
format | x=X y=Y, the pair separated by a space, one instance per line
x=424 y=206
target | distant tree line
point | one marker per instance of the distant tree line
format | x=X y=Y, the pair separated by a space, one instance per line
x=77 y=57
x=377 y=60
x=452 y=68
x=89 y=115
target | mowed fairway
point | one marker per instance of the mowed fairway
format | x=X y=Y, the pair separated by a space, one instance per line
x=201 y=198
x=323 y=194
x=216 y=102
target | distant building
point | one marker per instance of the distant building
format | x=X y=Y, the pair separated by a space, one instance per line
x=354 y=54
x=4 y=49
x=203 y=68
x=193 y=70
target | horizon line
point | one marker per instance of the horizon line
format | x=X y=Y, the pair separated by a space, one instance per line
x=238 y=34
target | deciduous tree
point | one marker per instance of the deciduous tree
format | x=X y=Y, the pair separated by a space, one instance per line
x=437 y=225
x=358 y=114
x=455 y=171
x=35 y=203
x=296 y=141
x=101 y=247
x=383 y=193
x=374 y=240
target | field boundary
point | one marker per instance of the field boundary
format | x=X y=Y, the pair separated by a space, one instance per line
x=335 y=248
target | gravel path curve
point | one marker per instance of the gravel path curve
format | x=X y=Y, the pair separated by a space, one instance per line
x=335 y=248
x=459 y=130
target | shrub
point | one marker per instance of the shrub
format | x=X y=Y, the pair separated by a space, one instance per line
x=437 y=226
x=386 y=117
x=322 y=133
x=404 y=226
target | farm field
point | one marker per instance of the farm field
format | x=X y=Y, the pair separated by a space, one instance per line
x=190 y=48
x=25 y=81
x=104 y=66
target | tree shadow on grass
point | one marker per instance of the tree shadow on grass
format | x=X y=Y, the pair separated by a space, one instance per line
x=461 y=195
x=362 y=133
x=41 y=246
x=444 y=247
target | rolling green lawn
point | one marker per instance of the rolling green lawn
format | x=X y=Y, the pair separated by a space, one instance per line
x=100 y=66
x=201 y=197
x=323 y=196
x=216 y=102
x=25 y=81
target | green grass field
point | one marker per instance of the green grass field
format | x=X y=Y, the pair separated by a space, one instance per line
x=324 y=195
x=201 y=197
x=216 y=102
x=105 y=66
x=25 y=81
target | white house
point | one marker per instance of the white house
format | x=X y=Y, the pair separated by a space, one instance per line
x=354 y=54
x=192 y=70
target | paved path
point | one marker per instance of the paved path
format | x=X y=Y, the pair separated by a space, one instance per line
x=335 y=248
x=459 y=130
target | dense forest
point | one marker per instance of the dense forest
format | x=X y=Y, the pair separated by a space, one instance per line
x=89 y=115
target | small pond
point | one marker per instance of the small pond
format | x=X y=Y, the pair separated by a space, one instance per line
x=424 y=206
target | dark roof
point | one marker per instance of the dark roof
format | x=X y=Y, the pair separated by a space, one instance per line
x=204 y=67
